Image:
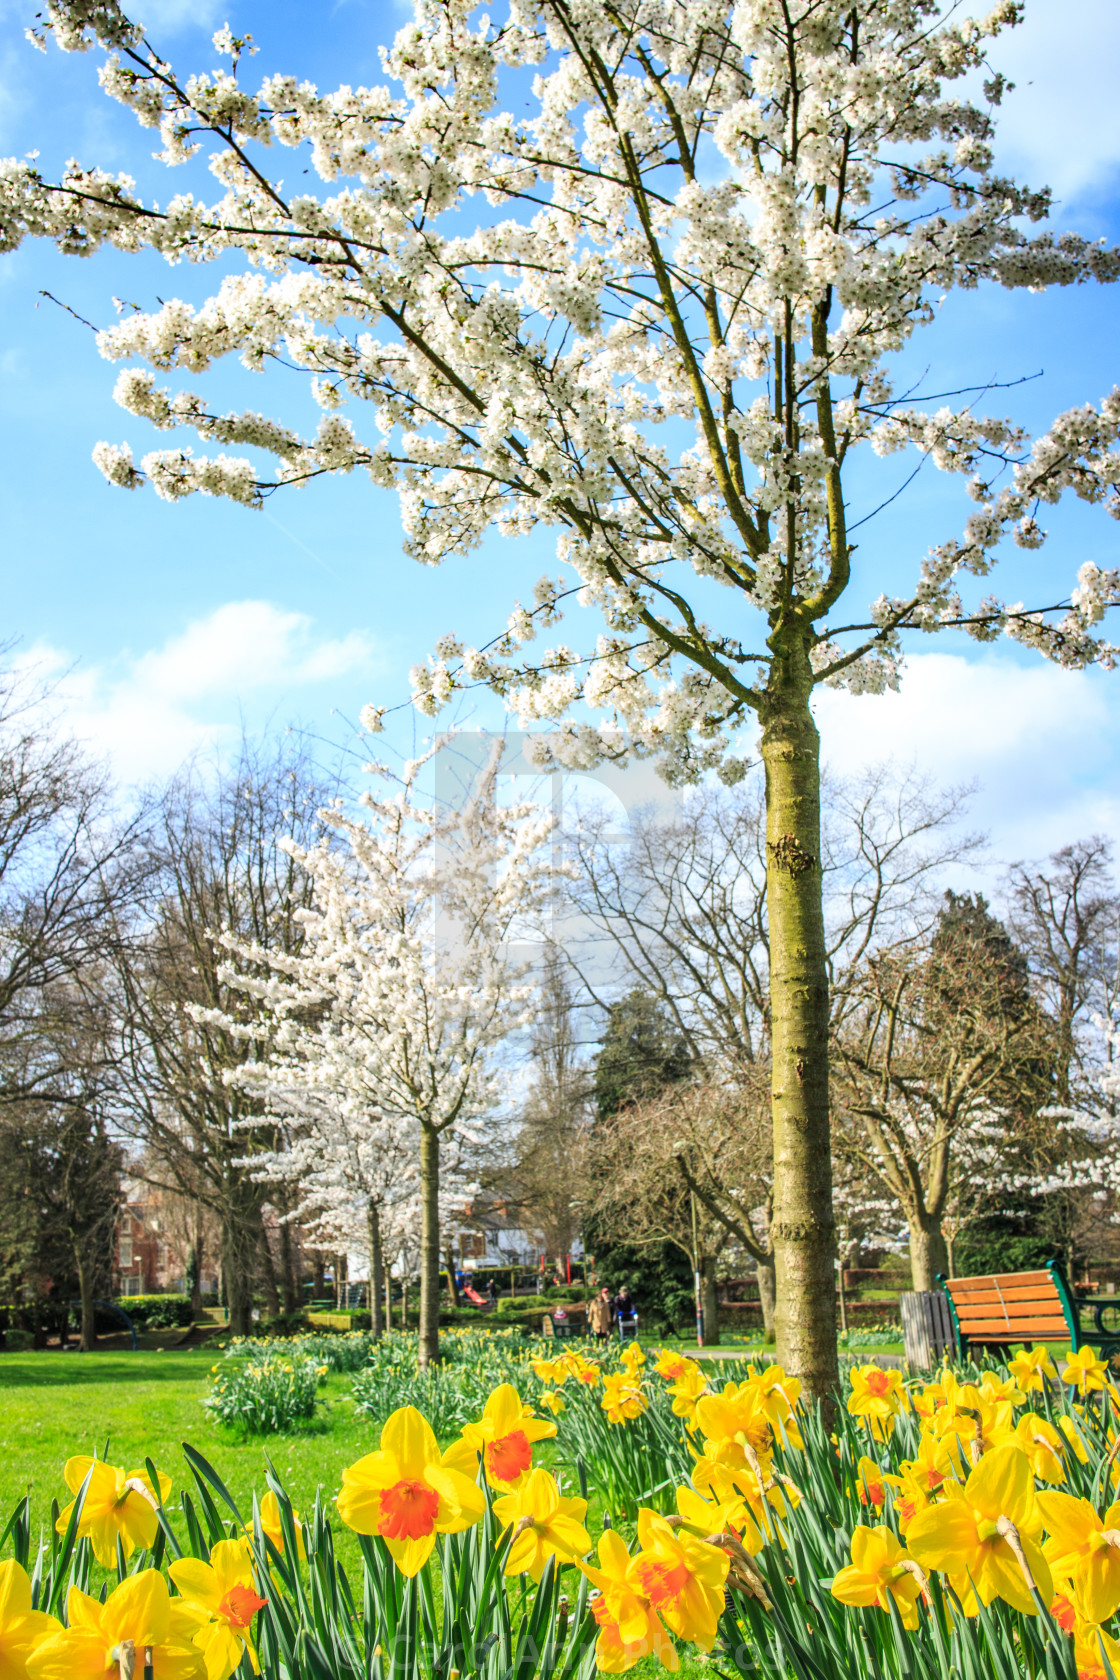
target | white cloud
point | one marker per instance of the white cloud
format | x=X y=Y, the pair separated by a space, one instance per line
x=243 y=646
x=1061 y=125
x=147 y=714
x=1039 y=741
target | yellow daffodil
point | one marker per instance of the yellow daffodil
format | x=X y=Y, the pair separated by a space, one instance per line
x=550 y=1370
x=908 y=1497
x=269 y=1509
x=968 y=1534
x=1073 y=1435
x=877 y=1397
x=734 y=1418
x=1030 y=1368
x=22 y=1628
x=687 y=1391
x=628 y=1628
x=585 y=1371
x=622 y=1399
x=993 y=1388
x=219 y=1599
x=1084 y=1550
x=138 y=1612
x=969 y=1434
x=880 y=1571
x=116 y=1506
x=552 y=1402
x=632 y=1358
x=1043 y=1445
x=928 y=1401
x=504 y=1436
x=544 y=1524
x=728 y=1512
x=1085 y=1372
x=406 y=1494
x=870 y=1487
x=673 y=1366
x=1092 y=1645
x=776 y=1396
x=681 y=1578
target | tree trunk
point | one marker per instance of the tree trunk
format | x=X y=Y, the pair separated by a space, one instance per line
x=318 y=1276
x=88 y=1335
x=803 y=1231
x=929 y=1253
x=388 y=1280
x=288 y=1286
x=376 y=1321
x=238 y=1273
x=764 y=1272
x=268 y=1276
x=711 y=1304
x=197 y=1255
x=452 y=1285
x=429 y=1246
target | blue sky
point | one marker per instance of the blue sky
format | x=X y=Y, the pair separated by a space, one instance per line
x=175 y=623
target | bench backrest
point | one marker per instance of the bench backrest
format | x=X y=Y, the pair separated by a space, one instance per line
x=1009 y=1307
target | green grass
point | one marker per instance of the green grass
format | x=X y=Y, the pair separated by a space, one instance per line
x=56 y=1405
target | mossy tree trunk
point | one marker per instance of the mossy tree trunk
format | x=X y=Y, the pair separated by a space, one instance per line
x=376 y=1270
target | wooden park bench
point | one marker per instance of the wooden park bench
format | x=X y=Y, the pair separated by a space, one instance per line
x=1029 y=1307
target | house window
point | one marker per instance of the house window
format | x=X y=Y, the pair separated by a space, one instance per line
x=472 y=1245
x=126 y=1250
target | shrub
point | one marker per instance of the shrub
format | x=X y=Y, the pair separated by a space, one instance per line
x=285 y=1324
x=154 y=1312
x=266 y=1395
x=342 y=1352
x=18 y=1341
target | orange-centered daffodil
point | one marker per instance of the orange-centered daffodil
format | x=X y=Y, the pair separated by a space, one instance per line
x=681 y=1577
x=219 y=1601
x=628 y=1628
x=406 y=1493
x=504 y=1436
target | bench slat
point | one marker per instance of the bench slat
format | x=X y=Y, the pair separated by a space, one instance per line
x=980 y=1297
x=1009 y=1309
x=1003 y=1279
x=1050 y=1329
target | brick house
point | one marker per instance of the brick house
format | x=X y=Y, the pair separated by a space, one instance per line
x=142 y=1259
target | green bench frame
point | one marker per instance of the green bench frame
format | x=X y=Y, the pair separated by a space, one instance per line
x=1030 y=1307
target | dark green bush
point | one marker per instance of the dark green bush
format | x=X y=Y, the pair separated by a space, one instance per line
x=294 y=1324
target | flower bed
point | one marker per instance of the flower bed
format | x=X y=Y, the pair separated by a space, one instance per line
x=960 y=1527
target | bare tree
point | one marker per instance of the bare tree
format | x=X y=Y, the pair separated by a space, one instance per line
x=1065 y=917
x=938 y=1037
x=217 y=865
x=679 y=910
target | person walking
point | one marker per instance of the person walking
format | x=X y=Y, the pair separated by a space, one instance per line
x=626 y=1313
x=599 y=1315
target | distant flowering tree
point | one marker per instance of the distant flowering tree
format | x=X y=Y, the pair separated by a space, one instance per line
x=634 y=270
x=402 y=991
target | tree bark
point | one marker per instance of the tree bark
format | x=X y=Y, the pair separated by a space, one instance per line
x=268 y=1276
x=452 y=1285
x=288 y=1284
x=237 y=1273
x=88 y=1334
x=429 y=1246
x=929 y=1252
x=197 y=1255
x=764 y=1271
x=376 y=1268
x=803 y=1231
x=711 y=1304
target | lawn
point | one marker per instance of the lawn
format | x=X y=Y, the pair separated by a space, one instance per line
x=129 y=1406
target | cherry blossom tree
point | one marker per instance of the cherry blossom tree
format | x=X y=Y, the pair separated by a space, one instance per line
x=635 y=271
x=404 y=987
